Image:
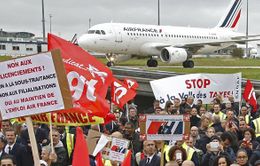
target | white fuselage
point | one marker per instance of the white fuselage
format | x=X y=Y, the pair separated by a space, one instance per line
x=146 y=40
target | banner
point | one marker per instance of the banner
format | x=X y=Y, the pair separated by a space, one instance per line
x=33 y=85
x=88 y=78
x=64 y=119
x=200 y=86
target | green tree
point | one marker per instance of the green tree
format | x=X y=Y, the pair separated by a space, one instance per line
x=238 y=53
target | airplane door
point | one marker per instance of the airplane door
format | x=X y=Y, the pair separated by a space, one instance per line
x=120 y=43
x=118 y=35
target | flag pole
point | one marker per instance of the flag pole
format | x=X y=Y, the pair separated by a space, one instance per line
x=34 y=146
x=51 y=138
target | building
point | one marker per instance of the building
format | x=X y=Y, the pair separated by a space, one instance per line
x=20 y=44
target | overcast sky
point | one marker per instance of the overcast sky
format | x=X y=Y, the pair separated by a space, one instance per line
x=72 y=16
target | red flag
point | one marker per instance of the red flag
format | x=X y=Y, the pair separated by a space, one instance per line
x=120 y=93
x=131 y=83
x=249 y=95
x=80 y=155
x=127 y=160
x=99 y=159
x=88 y=78
x=109 y=118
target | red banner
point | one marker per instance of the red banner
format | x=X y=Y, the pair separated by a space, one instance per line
x=88 y=78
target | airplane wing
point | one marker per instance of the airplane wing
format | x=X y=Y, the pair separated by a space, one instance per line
x=195 y=46
x=244 y=37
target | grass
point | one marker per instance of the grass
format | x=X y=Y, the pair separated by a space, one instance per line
x=249 y=73
x=5 y=58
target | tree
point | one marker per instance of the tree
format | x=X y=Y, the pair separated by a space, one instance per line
x=238 y=53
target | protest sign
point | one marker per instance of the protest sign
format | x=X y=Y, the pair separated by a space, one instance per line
x=200 y=86
x=112 y=148
x=118 y=149
x=33 y=84
x=165 y=127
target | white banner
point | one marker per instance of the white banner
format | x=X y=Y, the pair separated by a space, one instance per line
x=28 y=86
x=199 y=86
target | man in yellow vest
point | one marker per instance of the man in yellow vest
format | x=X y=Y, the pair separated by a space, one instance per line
x=216 y=109
x=68 y=140
x=244 y=113
x=191 y=153
x=256 y=126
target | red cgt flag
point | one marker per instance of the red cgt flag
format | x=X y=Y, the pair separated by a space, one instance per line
x=120 y=93
x=80 y=155
x=249 y=95
x=88 y=78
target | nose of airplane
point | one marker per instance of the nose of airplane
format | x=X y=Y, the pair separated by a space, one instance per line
x=84 y=41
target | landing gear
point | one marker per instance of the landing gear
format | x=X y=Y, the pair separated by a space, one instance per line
x=152 y=63
x=109 y=64
x=111 y=60
x=188 y=64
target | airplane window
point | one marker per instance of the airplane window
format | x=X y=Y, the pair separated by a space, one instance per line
x=98 y=32
x=103 y=32
x=91 y=31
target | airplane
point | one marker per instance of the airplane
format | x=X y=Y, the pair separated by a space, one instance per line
x=172 y=44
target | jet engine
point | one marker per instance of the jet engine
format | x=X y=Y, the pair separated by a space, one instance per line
x=173 y=55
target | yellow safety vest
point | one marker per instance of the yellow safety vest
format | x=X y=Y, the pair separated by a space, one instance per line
x=70 y=143
x=221 y=115
x=166 y=152
x=257 y=126
x=247 y=119
x=189 y=151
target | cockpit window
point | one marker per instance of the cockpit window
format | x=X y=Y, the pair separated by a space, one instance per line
x=103 y=32
x=99 y=32
x=91 y=31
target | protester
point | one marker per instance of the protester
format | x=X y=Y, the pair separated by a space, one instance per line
x=222 y=161
x=152 y=159
x=8 y=160
x=59 y=149
x=18 y=150
x=242 y=157
x=177 y=154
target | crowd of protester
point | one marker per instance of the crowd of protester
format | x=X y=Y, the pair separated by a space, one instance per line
x=221 y=134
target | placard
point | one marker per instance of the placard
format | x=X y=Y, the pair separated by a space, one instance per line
x=165 y=127
x=33 y=84
x=200 y=86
